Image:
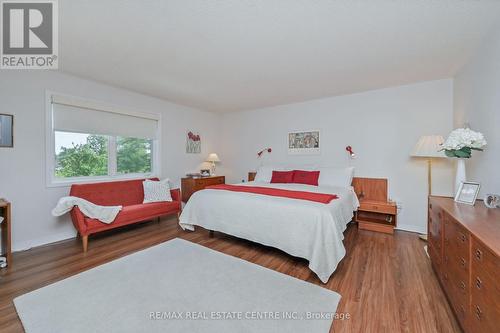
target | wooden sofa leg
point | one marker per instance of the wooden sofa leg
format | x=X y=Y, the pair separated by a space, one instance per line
x=85 y=242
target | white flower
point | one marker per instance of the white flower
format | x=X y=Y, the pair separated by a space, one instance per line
x=464 y=137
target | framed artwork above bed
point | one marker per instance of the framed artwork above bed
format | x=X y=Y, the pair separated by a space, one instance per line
x=304 y=143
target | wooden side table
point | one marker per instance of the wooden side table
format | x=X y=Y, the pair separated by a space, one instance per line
x=251 y=176
x=6 y=230
x=192 y=185
x=376 y=212
x=378 y=216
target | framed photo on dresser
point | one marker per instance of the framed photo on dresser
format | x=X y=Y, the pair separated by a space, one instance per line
x=467 y=193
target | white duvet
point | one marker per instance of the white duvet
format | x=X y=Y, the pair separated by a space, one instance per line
x=305 y=229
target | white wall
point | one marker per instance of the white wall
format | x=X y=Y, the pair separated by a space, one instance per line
x=477 y=102
x=382 y=126
x=22 y=169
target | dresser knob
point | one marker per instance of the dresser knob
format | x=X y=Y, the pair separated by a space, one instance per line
x=445 y=276
x=462 y=285
x=462 y=262
x=479 y=283
x=462 y=237
x=479 y=313
x=479 y=254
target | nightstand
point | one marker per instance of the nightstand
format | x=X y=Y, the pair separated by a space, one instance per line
x=251 y=176
x=191 y=185
x=376 y=212
x=378 y=216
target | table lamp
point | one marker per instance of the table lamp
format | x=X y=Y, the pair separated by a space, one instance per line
x=213 y=158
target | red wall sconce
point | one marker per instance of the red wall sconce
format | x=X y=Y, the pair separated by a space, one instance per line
x=351 y=153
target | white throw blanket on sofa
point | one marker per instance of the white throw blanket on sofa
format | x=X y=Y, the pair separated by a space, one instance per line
x=106 y=214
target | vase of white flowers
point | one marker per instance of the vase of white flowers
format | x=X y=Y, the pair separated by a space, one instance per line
x=460 y=144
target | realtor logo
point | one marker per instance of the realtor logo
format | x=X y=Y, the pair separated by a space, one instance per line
x=29 y=34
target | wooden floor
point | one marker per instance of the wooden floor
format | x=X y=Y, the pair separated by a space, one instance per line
x=386 y=282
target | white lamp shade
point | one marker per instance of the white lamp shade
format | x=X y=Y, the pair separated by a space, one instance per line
x=429 y=146
x=213 y=158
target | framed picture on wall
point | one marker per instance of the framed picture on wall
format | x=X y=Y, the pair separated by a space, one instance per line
x=6 y=130
x=304 y=142
x=193 y=143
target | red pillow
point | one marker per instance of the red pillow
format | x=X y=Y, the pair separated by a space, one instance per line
x=306 y=177
x=282 y=177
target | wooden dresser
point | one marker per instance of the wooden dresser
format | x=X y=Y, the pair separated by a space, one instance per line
x=191 y=185
x=464 y=247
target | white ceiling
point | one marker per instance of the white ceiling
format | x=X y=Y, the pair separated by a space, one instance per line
x=242 y=54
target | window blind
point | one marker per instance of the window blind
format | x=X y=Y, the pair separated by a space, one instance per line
x=86 y=117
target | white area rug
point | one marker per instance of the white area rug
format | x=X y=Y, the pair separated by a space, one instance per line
x=178 y=286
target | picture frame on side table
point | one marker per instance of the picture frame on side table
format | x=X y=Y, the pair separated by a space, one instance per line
x=467 y=193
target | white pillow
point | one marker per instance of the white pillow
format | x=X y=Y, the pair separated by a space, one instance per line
x=265 y=173
x=341 y=177
x=156 y=191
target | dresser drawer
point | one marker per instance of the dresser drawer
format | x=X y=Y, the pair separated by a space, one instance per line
x=435 y=236
x=484 y=317
x=456 y=263
x=456 y=238
x=485 y=263
x=456 y=250
x=485 y=289
x=462 y=312
x=204 y=182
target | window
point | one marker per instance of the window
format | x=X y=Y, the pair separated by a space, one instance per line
x=80 y=155
x=133 y=155
x=92 y=142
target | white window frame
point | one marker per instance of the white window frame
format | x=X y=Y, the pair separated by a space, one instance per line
x=50 y=153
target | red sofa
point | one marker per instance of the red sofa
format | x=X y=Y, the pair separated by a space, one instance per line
x=130 y=195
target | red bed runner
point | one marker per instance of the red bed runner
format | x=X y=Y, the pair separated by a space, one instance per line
x=301 y=195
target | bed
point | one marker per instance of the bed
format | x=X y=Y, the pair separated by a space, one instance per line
x=302 y=228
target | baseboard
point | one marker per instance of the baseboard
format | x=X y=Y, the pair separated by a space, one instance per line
x=26 y=245
x=411 y=228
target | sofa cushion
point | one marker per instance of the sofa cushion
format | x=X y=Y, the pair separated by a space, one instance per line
x=134 y=213
x=156 y=191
